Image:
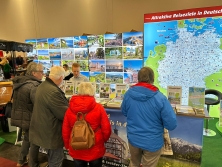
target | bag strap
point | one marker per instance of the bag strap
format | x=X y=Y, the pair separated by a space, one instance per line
x=97 y=129
x=78 y=116
x=12 y=96
x=83 y=118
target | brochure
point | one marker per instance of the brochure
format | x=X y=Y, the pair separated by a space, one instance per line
x=120 y=91
x=196 y=99
x=174 y=94
x=104 y=90
x=69 y=88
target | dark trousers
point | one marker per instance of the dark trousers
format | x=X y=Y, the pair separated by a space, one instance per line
x=94 y=163
x=24 y=148
x=33 y=155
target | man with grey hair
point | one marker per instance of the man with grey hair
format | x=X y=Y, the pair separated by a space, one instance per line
x=148 y=112
x=24 y=90
x=48 y=113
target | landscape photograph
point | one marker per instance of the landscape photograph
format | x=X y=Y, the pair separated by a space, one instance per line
x=80 y=42
x=132 y=65
x=130 y=78
x=42 y=43
x=114 y=66
x=55 y=54
x=43 y=54
x=95 y=40
x=114 y=77
x=112 y=40
x=187 y=149
x=96 y=53
x=67 y=54
x=132 y=38
x=66 y=42
x=97 y=77
x=113 y=53
x=133 y=52
x=81 y=54
x=97 y=65
x=54 y=43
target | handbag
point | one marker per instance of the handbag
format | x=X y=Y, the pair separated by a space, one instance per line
x=8 y=108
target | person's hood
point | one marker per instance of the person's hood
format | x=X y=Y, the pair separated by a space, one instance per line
x=142 y=91
x=18 y=81
x=80 y=103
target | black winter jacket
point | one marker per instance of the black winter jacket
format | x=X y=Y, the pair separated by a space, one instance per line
x=24 y=88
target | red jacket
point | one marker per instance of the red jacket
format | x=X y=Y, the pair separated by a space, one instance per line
x=96 y=116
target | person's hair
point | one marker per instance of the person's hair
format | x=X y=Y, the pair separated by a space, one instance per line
x=56 y=72
x=146 y=74
x=86 y=88
x=75 y=65
x=33 y=67
x=65 y=65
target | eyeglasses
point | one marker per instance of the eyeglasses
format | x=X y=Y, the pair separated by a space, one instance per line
x=40 y=71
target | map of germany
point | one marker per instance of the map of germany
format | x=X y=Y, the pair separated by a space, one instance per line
x=185 y=53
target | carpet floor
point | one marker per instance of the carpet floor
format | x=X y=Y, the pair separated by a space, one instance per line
x=8 y=163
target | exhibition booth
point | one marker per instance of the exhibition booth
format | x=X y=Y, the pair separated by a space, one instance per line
x=182 y=47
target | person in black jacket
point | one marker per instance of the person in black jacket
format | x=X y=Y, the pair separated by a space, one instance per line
x=48 y=113
x=24 y=89
x=68 y=74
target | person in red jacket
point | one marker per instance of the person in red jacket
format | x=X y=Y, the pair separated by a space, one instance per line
x=96 y=116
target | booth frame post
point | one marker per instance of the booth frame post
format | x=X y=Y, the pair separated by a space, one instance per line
x=207 y=131
x=13 y=62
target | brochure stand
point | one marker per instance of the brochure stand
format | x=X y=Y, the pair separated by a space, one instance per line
x=207 y=131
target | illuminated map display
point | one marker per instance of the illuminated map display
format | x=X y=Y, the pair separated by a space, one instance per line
x=184 y=48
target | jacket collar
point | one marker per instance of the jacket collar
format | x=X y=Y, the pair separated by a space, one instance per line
x=146 y=85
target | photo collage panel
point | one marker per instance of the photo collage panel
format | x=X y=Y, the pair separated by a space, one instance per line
x=109 y=58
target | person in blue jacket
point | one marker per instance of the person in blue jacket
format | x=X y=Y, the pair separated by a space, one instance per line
x=148 y=112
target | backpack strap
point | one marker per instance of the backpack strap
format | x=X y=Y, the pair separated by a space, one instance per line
x=83 y=118
x=78 y=116
x=97 y=129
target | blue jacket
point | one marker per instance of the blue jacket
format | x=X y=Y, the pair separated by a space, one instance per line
x=148 y=112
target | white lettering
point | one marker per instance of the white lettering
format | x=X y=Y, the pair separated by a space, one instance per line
x=212 y=12
x=161 y=17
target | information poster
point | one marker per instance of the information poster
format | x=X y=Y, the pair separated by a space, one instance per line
x=185 y=48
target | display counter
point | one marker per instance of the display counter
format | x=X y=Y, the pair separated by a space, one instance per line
x=5 y=92
x=186 y=139
x=186 y=142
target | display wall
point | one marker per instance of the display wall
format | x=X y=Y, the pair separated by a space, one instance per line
x=26 y=19
x=110 y=58
x=185 y=49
